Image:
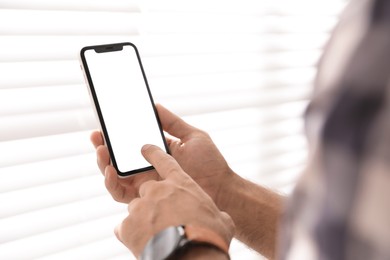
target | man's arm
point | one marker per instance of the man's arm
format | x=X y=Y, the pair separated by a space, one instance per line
x=255 y=211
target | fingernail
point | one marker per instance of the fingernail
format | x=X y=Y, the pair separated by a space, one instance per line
x=146 y=147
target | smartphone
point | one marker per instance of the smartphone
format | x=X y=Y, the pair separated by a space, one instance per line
x=123 y=103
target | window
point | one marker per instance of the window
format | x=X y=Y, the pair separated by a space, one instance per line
x=241 y=70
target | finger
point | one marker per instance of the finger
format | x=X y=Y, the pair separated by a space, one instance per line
x=165 y=165
x=173 y=124
x=103 y=157
x=117 y=232
x=97 y=138
x=117 y=191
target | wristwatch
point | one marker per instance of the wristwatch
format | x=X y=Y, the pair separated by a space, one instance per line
x=165 y=243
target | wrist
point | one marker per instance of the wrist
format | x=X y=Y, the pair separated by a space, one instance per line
x=227 y=189
x=195 y=251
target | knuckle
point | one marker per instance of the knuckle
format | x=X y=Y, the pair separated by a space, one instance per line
x=102 y=156
x=134 y=205
x=173 y=171
x=228 y=220
x=116 y=197
x=101 y=151
x=117 y=194
x=203 y=133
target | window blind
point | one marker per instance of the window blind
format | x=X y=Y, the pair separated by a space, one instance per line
x=241 y=70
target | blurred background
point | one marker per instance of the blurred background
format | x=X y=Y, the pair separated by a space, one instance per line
x=242 y=70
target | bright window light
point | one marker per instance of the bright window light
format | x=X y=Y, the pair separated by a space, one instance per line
x=241 y=70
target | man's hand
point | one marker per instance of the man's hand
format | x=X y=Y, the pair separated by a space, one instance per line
x=192 y=148
x=198 y=157
x=122 y=190
x=174 y=200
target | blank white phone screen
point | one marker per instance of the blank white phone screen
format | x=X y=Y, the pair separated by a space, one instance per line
x=125 y=105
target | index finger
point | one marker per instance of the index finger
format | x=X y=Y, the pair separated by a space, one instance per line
x=96 y=138
x=165 y=165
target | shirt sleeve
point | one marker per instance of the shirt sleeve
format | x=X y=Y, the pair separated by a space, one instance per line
x=340 y=209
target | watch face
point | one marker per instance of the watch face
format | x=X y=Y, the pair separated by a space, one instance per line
x=163 y=244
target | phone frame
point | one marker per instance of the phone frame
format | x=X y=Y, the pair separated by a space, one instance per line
x=92 y=93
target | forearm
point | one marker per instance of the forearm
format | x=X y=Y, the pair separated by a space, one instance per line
x=255 y=211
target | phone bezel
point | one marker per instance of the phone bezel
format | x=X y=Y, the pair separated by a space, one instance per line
x=109 y=48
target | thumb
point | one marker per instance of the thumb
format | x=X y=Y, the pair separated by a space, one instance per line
x=165 y=165
x=173 y=124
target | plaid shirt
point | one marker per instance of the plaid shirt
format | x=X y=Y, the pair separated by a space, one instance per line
x=341 y=207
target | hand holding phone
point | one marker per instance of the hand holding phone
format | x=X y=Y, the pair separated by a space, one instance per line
x=123 y=103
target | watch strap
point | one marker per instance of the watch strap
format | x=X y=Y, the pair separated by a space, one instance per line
x=204 y=235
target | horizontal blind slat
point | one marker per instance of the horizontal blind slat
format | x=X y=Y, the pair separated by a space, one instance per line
x=247 y=116
x=38 y=173
x=85 y=5
x=276 y=178
x=29 y=101
x=216 y=83
x=44 y=124
x=217 y=63
x=63 y=215
x=61 y=239
x=40 y=124
x=228 y=101
x=44 y=148
x=259 y=133
x=36 y=22
x=40 y=73
x=44 y=73
x=53 y=47
x=233 y=23
x=255 y=169
x=174 y=44
x=45 y=196
x=280 y=7
x=60 y=47
x=56 y=98
x=68 y=97
x=262 y=151
x=107 y=248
